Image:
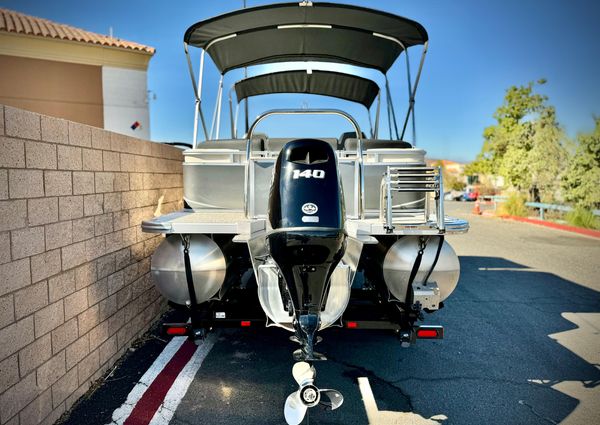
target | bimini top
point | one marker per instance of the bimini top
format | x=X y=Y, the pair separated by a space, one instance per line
x=303 y=32
x=326 y=83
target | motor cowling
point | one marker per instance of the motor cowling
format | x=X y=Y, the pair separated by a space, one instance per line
x=306 y=212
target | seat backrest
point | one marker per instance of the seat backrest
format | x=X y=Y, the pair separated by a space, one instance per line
x=351 y=144
x=236 y=144
x=276 y=144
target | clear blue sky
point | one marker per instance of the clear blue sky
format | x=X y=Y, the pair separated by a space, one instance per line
x=477 y=50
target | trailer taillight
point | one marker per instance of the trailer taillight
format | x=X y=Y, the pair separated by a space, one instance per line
x=430 y=332
x=245 y=323
x=177 y=330
x=352 y=325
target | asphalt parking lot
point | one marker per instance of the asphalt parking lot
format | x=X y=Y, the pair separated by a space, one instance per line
x=522 y=346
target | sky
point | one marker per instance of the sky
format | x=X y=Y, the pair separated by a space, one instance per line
x=477 y=50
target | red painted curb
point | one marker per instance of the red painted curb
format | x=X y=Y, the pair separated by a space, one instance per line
x=147 y=406
x=582 y=231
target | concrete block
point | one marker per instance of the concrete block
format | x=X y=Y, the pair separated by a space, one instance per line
x=93 y=205
x=45 y=265
x=40 y=155
x=80 y=134
x=98 y=335
x=58 y=183
x=92 y=160
x=22 y=124
x=121 y=182
x=88 y=366
x=120 y=220
x=59 y=234
x=17 y=397
x=38 y=409
x=4 y=248
x=31 y=299
x=35 y=354
x=51 y=371
x=27 y=242
x=88 y=319
x=76 y=303
x=25 y=183
x=97 y=291
x=64 y=335
x=7 y=311
x=115 y=282
x=108 y=349
x=83 y=182
x=104 y=182
x=69 y=158
x=103 y=223
x=112 y=202
x=85 y=275
x=70 y=207
x=61 y=285
x=100 y=139
x=14 y=275
x=83 y=229
x=12 y=153
x=42 y=211
x=20 y=334
x=95 y=248
x=73 y=255
x=3 y=184
x=14 y=214
x=114 y=241
x=111 y=161
x=77 y=351
x=105 y=266
x=55 y=130
x=49 y=318
x=64 y=387
x=9 y=372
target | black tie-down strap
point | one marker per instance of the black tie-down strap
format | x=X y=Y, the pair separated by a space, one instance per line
x=188 y=271
x=417 y=264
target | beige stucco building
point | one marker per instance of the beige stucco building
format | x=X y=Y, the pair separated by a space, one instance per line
x=67 y=72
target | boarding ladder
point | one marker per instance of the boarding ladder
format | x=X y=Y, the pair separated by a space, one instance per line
x=426 y=180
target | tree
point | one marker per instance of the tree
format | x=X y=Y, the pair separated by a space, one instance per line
x=525 y=146
x=581 y=181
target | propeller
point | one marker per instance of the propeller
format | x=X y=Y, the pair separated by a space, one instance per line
x=308 y=395
x=303 y=372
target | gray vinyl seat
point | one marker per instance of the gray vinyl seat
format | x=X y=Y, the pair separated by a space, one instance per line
x=352 y=144
x=258 y=144
x=276 y=144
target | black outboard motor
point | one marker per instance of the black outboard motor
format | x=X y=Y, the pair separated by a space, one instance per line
x=306 y=211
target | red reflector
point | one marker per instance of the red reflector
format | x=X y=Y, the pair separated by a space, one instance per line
x=427 y=333
x=351 y=325
x=177 y=330
x=245 y=323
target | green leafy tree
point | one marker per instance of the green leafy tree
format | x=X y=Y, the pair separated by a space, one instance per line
x=581 y=181
x=525 y=146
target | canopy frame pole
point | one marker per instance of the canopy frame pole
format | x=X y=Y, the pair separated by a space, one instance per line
x=409 y=86
x=215 y=110
x=231 y=122
x=197 y=94
x=370 y=123
x=376 y=132
x=219 y=103
x=391 y=107
x=411 y=105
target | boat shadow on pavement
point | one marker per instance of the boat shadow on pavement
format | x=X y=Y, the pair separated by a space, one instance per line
x=496 y=365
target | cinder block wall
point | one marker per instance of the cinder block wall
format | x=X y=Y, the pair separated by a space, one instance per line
x=75 y=288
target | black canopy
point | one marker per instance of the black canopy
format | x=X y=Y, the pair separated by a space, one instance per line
x=327 y=83
x=320 y=31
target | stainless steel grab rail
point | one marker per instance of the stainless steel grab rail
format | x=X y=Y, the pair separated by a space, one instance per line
x=271 y=112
